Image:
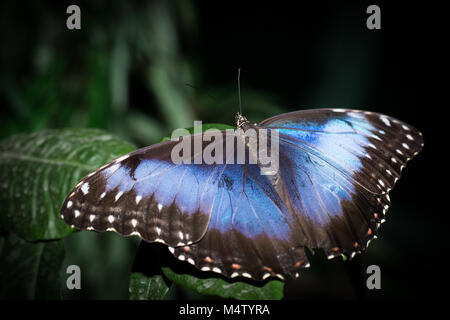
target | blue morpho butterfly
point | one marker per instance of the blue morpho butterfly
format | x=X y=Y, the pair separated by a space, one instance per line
x=336 y=168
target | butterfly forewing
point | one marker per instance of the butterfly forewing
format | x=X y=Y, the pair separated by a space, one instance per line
x=144 y=193
x=369 y=147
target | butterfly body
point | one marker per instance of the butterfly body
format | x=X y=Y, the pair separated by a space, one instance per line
x=330 y=190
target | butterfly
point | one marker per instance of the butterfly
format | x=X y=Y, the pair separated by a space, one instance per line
x=330 y=191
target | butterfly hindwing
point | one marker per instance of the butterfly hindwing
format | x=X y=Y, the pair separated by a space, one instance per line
x=251 y=231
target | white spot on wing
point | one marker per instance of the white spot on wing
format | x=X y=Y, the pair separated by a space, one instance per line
x=265 y=276
x=111 y=218
x=85 y=188
x=376 y=137
x=405 y=146
x=91 y=217
x=159 y=206
x=118 y=195
x=69 y=204
x=180 y=235
x=102 y=195
x=409 y=137
x=134 y=223
x=77 y=213
x=385 y=121
x=138 y=198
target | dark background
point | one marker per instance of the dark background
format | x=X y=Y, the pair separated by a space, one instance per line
x=125 y=71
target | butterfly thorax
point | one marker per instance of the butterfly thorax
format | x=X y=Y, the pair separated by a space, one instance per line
x=240 y=120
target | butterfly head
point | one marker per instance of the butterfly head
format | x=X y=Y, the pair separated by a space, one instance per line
x=240 y=120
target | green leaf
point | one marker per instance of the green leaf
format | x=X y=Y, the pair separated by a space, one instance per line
x=270 y=290
x=147 y=280
x=37 y=170
x=143 y=287
x=30 y=270
x=181 y=273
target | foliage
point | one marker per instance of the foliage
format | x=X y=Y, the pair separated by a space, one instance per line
x=38 y=171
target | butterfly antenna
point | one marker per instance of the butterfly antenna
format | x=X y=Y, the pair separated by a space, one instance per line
x=239 y=90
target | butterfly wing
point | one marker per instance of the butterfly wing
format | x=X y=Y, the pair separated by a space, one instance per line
x=370 y=147
x=145 y=193
x=337 y=168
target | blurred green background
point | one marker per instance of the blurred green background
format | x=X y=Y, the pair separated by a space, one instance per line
x=127 y=70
